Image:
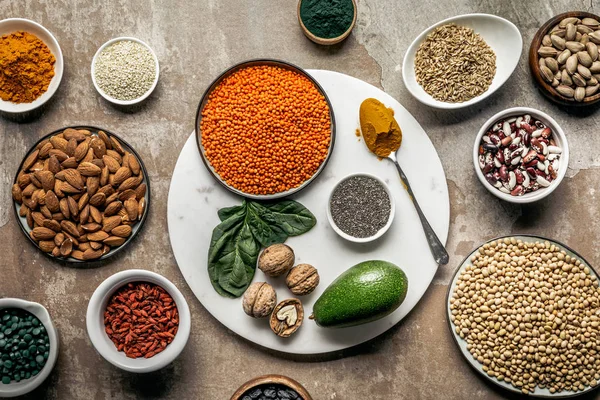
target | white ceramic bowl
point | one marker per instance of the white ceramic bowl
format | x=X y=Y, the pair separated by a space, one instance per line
x=559 y=138
x=381 y=231
x=15 y=389
x=107 y=349
x=11 y=25
x=112 y=99
x=501 y=35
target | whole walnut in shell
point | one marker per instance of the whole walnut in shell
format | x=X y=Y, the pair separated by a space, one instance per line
x=302 y=279
x=276 y=260
x=259 y=300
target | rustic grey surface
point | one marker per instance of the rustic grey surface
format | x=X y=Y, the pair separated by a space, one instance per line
x=195 y=40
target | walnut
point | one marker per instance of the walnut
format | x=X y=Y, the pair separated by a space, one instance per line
x=259 y=300
x=302 y=279
x=276 y=260
x=287 y=317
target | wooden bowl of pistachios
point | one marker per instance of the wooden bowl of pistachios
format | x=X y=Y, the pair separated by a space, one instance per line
x=564 y=58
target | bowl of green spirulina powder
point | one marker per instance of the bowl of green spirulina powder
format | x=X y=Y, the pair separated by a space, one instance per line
x=327 y=22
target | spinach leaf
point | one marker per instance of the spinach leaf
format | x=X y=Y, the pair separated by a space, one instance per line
x=263 y=226
x=232 y=256
x=291 y=216
x=244 y=229
x=227 y=212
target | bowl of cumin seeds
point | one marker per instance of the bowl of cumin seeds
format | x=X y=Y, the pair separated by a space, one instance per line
x=462 y=60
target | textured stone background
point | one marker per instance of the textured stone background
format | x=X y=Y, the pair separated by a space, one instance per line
x=195 y=40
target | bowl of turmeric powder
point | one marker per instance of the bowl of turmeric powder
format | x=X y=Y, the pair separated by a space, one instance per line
x=32 y=62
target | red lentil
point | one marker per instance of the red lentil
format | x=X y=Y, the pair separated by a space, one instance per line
x=266 y=129
x=141 y=319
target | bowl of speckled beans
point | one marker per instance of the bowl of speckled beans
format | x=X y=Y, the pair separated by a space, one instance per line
x=125 y=71
x=28 y=346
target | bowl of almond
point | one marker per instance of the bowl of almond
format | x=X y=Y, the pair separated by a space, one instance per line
x=81 y=194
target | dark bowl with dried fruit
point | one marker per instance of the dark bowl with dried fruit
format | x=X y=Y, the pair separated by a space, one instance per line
x=564 y=58
x=81 y=194
x=276 y=386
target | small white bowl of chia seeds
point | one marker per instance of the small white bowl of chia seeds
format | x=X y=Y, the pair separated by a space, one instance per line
x=125 y=71
x=360 y=208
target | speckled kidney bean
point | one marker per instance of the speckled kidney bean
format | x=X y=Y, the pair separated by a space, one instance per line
x=518 y=155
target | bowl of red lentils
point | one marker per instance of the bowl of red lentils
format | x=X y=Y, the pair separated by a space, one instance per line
x=265 y=129
x=138 y=321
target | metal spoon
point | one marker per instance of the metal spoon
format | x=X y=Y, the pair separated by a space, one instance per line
x=437 y=248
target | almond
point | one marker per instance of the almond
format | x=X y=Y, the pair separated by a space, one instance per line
x=112 y=164
x=66 y=247
x=59 y=238
x=134 y=164
x=77 y=254
x=115 y=155
x=71 y=146
x=46 y=212
x=23 y=210
x=45 y=150
x=96 y=245
x=30 y=160
x=59 y=143
x=121 y=175
x=63 y=206
x=46 y=245
x=114 y=241
x=102 y=135
x=81 y=151
x=73 y=206
x=35 y=181
x=110 y=223
x=66 y=187
x=51 y=201
x=129 y=183
x=23 y=179
x=38 y=218
x=97 y=236
x=53 y=165
x=141 y=208
x=113 y=208
x=107 y=190
x=104 y=176
x=70 y=228
x=74 y=178
x=91 y=254
x=89 y=157
x=29 y=219
x=38 y=166
x=116 y=145
x=29 y=202
x=127 y=194
x=28 y=191
x=89 y=169
x=17 y=193
x=52 y=224
x=84 y=215
x=131 y=206
x=70 y=133
x=121 y=231
x=59 y=154
x=111 y=198
x=91 y=227
x=42 y=233
x=95 y=214
x=93 y=183
x=83 y=201
x=57 y=216
x=98 y=199
x=69 y=163
x=99 y=147
x=46 y=178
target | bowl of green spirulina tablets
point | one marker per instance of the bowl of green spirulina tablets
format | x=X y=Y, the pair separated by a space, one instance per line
x=327 y=22
x=28 y=346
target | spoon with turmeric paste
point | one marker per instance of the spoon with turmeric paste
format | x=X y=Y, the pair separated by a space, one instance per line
x=383 y=137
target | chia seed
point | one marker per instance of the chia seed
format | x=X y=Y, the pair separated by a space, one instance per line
x=360 y=206
x=125 y=70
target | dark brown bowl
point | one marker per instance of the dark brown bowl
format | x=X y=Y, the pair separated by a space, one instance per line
x=272 y=379
x=230 y=71
x=534 y=65
x=135 y=228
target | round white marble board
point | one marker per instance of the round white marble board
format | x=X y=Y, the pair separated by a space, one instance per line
x=195 y=197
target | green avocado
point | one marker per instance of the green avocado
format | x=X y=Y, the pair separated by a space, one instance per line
x=364 y=293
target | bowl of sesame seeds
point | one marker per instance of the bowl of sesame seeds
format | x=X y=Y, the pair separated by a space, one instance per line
x=265 y=129
x=125 y=71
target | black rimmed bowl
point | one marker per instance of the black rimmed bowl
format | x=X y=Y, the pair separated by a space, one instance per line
x=135 y=228
x=227 y=73
x=462 y=344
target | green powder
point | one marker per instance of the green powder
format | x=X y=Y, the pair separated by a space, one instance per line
x=327 y=18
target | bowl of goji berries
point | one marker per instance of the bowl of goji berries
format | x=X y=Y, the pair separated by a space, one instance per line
x=138 y=320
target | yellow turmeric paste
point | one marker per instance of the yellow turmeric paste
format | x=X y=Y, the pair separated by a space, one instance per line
x=26 y=67
x=379 y=128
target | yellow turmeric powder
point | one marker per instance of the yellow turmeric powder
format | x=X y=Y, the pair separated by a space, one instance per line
x=26 y=67
x=379 y=128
